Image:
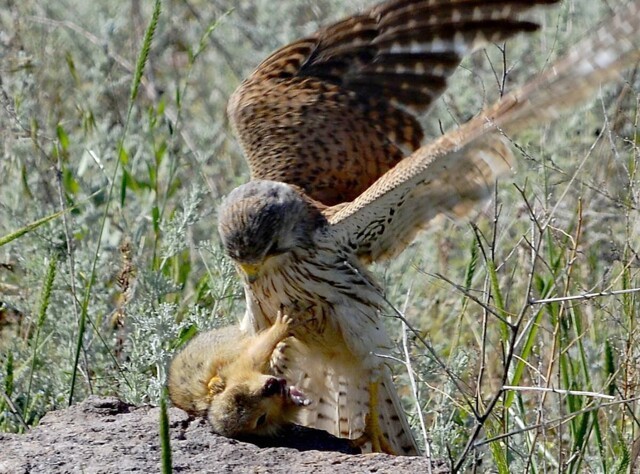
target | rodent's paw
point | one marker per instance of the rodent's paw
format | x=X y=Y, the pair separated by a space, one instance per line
x=286 y=319
x=283 y=319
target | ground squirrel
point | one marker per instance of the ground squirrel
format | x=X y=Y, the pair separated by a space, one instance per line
x=223 y=374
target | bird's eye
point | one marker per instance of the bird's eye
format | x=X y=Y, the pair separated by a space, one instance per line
x=273 y=249
x=262 y=420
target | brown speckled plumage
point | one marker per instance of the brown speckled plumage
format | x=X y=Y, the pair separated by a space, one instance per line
x=333 y=112
x=340 y=178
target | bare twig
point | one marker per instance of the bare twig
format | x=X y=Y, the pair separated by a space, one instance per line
x=556 y=422
x=580 y=393
x=509 y=357
x=472 y=297
x=584 y=296
x=412 y=380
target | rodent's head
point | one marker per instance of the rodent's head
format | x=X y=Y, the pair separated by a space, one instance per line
x=258 y=405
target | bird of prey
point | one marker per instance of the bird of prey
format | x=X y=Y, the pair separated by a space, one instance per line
x=339 y=179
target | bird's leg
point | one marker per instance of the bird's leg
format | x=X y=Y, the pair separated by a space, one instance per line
x=372 y=430
x=379 y=443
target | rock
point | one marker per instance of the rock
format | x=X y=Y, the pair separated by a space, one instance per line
x=106 y=435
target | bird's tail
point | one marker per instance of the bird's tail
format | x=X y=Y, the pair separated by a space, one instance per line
x=393 y=421
x=340 y=395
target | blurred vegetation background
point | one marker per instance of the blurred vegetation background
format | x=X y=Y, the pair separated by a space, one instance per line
x=97 y=299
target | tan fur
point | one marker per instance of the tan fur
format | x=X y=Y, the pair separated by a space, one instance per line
x=223 y=374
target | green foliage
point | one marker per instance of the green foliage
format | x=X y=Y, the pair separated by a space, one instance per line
x=116 y=153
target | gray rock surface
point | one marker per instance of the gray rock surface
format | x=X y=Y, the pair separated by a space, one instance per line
x=105 y=435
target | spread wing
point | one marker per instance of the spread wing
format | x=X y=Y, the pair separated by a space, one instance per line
x=334 y=112
x=450 y=175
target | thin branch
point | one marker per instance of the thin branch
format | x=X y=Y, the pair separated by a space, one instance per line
x=510 y=355
x=584 y=296
x=560 y=391
x=412 y=380
x=556 y=422
x=473 y=298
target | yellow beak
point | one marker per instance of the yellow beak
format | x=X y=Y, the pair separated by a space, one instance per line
x=252 y=270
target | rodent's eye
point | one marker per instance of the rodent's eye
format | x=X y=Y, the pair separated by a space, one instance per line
x=262 y=420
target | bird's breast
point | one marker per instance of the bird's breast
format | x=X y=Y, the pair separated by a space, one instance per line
x=332 y=304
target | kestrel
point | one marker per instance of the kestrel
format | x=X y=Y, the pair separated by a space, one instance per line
x=328 y=124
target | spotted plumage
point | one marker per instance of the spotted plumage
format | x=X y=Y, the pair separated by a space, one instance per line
x=340 y=179
x=333 y=112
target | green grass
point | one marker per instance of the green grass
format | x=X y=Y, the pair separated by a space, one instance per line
x=116 y=152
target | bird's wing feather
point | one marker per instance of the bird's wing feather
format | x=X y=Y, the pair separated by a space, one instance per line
x=333 y=112
x=449 y=176
x=442 y=179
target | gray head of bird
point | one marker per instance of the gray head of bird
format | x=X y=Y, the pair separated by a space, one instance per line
x=264 y=219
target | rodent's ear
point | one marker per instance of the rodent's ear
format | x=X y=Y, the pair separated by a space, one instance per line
x=215 y=385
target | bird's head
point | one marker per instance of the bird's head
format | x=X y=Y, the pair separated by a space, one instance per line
x=264 y=219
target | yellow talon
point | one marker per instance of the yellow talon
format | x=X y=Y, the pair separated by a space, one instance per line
x=372 y=430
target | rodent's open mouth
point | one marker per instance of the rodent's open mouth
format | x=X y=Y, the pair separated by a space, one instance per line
x=289 y=393
x=297 y=397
